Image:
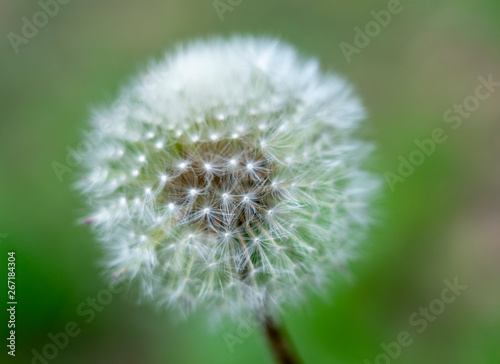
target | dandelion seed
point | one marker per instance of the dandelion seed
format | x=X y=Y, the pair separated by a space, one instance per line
x=248 y=217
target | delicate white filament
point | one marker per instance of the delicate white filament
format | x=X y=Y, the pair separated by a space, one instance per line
x=233 y=180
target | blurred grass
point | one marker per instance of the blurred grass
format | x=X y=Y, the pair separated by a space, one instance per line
x=440 y=223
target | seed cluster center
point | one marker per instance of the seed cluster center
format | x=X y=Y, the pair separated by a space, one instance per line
x=224 y=186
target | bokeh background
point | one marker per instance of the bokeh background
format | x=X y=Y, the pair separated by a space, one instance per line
x=442 y=222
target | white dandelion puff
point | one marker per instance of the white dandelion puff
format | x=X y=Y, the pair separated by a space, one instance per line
x=238 y=174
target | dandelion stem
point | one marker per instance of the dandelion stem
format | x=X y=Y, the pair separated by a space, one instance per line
x=280 y=342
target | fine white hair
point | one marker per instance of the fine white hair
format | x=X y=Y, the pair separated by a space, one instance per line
x=227 y=175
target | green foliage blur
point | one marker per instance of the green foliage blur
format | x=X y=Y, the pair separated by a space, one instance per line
x=440 y=222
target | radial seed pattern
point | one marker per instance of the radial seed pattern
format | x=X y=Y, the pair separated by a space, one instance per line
x=228 y=175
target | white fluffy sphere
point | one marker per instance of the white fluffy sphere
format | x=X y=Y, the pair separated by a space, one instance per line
x=228 y=175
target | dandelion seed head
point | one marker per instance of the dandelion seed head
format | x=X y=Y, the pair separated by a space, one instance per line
x=265 y=189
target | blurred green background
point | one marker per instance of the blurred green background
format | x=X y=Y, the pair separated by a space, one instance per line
x=442 y=222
